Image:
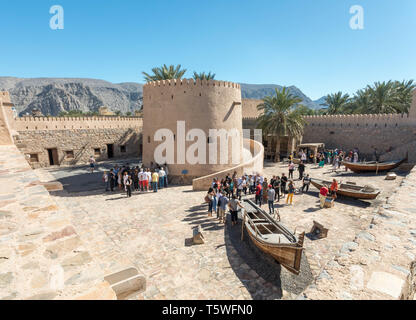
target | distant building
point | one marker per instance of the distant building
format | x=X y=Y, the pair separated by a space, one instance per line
x=104 y=111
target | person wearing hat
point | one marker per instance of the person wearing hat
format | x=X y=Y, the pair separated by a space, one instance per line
x=271 y=194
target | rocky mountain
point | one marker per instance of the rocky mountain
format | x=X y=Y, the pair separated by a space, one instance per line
x=53 y=95
x=321 y=103
x=259 y=91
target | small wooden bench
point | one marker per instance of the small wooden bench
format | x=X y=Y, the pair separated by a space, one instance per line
x=319 y=230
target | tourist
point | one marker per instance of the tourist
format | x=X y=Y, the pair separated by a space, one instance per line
x=336 y=161
x=276 y=187
x=291 y=192
x=265 y=186
x=321 y=161
x=306 y=183
x=233 y=205
x=271 y=194
x=135 y=178
x=112 y=177
x=155 y=180
x=127 y=185
x=303 y=157
x=218 y=193
x=222 y=204
x=252 y=184
x=162 y=175
x=92 y=164
x=301 y=169
x=283 y=182
x=334 y=188
x=239 y=187
x=119 y=180
x=244 y=184
x=141 y=178
x=355 y=157
x=125 y=177
x=106 y=181
x=166 y=175
x=149 y=179
x=291 y=169
x=208 y=198
x=259 y=193
x=323 y=192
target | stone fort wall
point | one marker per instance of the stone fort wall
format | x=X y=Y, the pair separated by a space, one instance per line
x=201 y=104
x=386 y=132
x=392 y=134
x=73 y=139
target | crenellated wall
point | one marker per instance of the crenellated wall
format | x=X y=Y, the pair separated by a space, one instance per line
x=386 y=132
x=202 y=105
x=72 y=140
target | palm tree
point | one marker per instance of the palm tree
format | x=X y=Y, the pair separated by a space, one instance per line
x=336 y=102
x=384 y=97
x=360 y=103
x=404 y=91
x=281 y=116
x=204 y=76
x=165 y=73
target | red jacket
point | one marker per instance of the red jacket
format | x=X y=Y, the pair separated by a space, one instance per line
x=324 y=191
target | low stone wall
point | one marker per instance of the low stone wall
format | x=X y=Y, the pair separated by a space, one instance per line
x=380 y=262
x=252 y=166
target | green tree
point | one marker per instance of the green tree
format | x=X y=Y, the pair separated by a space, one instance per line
x=128 y=113
x=336 y=102
x=360 y=103
x=384 y=97
x=404 y=92
x=165 y=73
x=117 y=113
x=281 y=116
x=204 y=76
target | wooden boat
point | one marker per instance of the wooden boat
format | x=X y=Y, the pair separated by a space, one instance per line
x=349 y=190
x=373 y=166
x=272 y=237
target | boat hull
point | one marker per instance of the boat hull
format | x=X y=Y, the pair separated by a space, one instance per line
x=349 y=193
x=372 y=167
x=288 y=255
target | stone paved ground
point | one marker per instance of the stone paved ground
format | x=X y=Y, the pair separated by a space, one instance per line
x=150 y=231
x=41 y=254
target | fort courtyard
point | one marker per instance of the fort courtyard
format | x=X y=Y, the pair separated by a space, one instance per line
x=63 y=236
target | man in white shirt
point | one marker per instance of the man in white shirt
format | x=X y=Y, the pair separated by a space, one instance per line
x=141 y=178
x=162 y=175
x=149 y=178
x=239 y=187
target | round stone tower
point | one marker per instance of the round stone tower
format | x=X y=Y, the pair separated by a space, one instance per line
x=190 y=110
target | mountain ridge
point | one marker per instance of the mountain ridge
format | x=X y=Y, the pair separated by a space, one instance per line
x=54 y=95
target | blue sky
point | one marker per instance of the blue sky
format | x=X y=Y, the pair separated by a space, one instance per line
x=288 y=42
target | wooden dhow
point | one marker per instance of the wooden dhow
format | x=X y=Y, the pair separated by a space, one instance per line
x=349 y=190
x=373 y=166
x=272 y=237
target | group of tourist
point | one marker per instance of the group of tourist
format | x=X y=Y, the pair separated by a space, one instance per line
x=227 y=192
x=135 y=178
x=332 y=157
